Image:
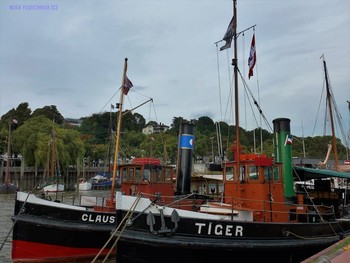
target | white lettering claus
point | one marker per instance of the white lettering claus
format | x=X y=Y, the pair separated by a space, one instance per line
x=219 y=229
x=99 y=218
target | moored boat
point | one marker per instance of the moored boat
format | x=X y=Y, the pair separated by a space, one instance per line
x=79 y=229
x=101 y=181
x=84 y=185
x=48 y=230
x=53 y=188
x=258 y=216
x=53 y=173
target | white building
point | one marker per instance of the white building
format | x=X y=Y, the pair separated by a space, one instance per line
x=150 y=129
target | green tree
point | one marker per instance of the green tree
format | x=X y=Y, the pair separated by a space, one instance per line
x=32 y=140
x=205 y=124
x=133 y=121
x=175 y=126
x=49 y=112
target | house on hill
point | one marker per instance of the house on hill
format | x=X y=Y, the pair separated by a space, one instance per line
x=150 y=129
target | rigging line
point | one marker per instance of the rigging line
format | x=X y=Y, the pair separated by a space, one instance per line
x=109 y=101
x=229 y=101
x=306 y=192
x=258 y=87
x=339 y=118
x=255 y=102
x=229 y=112
x=121 y=224
x=229 y=104
x=161 y=134
x=256 y=122
x=255 y=119
x=319 y=104
x=149 y=110
x=133 y=207
x=311 y=199
x=154 y=110
x=245 y=97
x=218 y=69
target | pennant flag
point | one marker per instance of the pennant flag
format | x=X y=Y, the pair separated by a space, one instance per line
x=112 y=106
x=289 y=140
x=229 y=34
x=252 y=57
x=127 y=85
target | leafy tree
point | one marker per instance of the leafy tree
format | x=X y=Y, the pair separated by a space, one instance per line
x=32 y=139
x=160 y=145
x=202 y=145
x=96 y=128
x=175 y=126
x=153 y=123
x=20 y=114
x=49 y=112
x=205 y=124
x=131 y=143
x=94 y=137
x=133 y=121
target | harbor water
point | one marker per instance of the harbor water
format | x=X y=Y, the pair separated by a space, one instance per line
x=7 y=203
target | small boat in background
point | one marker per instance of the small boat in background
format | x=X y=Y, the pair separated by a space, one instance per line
x=53 y=188
x=53 y=173
x=101 y=181
x=84 y=185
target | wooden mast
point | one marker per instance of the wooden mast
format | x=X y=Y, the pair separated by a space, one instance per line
x=8 y=187
x=329 y=100
x=116 y=152
x=235 y=70
x=7 y=176
x=52 y=167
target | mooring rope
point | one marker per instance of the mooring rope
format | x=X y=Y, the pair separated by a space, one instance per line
x=127 y=216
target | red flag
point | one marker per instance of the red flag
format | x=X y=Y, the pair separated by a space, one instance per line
x=127 y=85
x=229 y=34
x=252 y=57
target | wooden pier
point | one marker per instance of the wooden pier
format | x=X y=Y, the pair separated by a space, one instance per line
x=30 y=178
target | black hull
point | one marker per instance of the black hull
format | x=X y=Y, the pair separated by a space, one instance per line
x=275 y=242
x=45 y=233
x=134 y=252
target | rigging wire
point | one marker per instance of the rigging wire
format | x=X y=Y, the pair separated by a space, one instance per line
x=245 y=97
x=255 y=102
x=229 y=102
x=258 y=87
x=339 y=120
x=219 y=83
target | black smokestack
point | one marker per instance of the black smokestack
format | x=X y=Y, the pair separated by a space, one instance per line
x=184 y=163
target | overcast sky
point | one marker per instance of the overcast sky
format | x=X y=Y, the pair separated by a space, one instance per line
x=70 y=53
